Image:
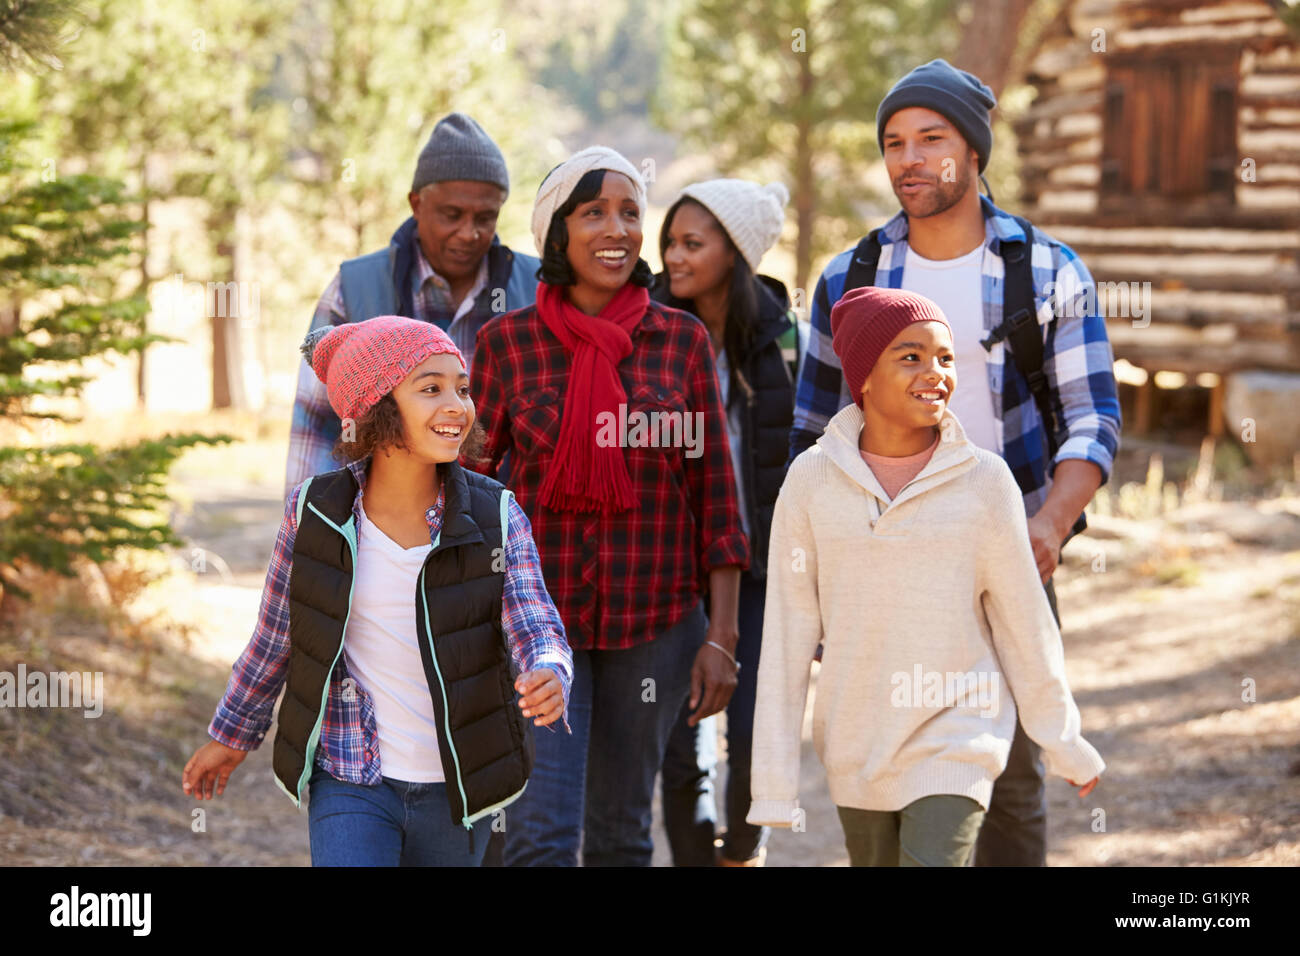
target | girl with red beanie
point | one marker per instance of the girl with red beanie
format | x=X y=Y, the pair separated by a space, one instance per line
x=902 y=548
x=608 y=406
x=404 y=608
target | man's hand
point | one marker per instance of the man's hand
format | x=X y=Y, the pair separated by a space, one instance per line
x=1046 y=536
x=541 y=695
x=1073 y=485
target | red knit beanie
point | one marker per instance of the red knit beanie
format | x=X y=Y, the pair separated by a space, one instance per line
x=865 y=320
x=361 y=362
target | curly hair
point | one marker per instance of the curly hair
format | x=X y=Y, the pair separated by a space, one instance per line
x=555 y=268
x=381 y=427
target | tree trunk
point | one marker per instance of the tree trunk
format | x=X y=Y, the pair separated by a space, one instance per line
x=805 y=197
x=144 y=273
x=227 y=356
x=227 y=384
x=988 y=43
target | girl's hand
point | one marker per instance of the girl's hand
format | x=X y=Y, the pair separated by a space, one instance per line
x=1087 y=787
x=541 y=695
x=211 y=763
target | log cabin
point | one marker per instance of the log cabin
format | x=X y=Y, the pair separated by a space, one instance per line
x=1163 y=145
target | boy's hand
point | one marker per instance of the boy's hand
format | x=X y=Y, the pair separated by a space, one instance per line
x=1087 y=787
x=541 y=695
x=211 y=763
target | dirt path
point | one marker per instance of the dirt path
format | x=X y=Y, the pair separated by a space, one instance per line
x=1167 y=624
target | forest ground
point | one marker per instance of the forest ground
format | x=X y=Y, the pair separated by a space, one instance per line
x=1171 y=624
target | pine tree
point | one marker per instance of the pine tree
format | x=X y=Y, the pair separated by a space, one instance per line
x=789 y=89
x=60 y=239
x=32 y=30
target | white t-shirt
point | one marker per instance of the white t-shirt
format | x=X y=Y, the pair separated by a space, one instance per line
x=382 y=651
x=956 y=285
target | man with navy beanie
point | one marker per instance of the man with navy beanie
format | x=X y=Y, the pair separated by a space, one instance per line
x=976 y=261
x=443 y=265
x=958 y=96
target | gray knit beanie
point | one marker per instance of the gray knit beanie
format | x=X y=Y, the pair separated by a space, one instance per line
x=954 y=94
x=459 y=149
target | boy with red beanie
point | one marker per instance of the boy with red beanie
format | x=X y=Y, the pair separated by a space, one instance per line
x=901 y=547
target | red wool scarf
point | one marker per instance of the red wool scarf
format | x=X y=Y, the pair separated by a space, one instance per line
x=584 y=476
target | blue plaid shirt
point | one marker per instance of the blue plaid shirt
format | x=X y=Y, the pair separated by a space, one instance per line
x=1077 y=357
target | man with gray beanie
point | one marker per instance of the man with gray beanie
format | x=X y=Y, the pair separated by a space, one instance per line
x=443 y=265
x=1036 y=379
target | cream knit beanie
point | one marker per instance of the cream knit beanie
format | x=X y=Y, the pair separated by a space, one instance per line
x=560 y=181
x=751 y=214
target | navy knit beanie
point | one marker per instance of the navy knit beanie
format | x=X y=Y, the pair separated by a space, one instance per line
x=956 y=95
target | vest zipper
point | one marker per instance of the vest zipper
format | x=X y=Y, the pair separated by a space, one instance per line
x=446 y=729
x=314 y=739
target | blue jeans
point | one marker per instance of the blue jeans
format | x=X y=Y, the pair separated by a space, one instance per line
x=393 y=824
x=690 y=814
x=595 y=787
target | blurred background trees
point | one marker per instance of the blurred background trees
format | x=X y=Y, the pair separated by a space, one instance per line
x=182 y=178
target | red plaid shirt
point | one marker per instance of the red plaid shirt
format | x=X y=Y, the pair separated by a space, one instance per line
x=621 y=580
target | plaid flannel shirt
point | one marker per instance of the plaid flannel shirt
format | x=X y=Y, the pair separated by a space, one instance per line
x=314 y=426
x=1077 y=357
x=349 y=746
x=623 y=579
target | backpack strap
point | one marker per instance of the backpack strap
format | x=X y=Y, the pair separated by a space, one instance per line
x=862 y=270
x=1020 y=330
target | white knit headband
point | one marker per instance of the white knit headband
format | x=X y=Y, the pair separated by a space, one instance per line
x=559 y=184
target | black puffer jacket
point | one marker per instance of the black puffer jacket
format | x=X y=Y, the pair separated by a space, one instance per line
x=769 y=415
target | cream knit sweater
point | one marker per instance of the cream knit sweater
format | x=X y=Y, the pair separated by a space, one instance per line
x=932 y=617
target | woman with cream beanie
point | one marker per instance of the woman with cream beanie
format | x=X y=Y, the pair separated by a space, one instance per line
x=631 y=524
x=712 y=240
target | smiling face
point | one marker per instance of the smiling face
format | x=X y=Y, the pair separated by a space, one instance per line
x=913 y=380
x=604 y=240
x=930 y=164
x=437 y=412
x=456 y=221
x=697 y=256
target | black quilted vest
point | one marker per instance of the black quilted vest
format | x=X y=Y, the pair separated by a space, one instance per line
x=485 y=742
x=768 y=416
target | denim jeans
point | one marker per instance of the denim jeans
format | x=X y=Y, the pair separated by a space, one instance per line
x=1015 y=827
x=690 y=813
x=393 y=824
x=938 y=830
x=594 y=787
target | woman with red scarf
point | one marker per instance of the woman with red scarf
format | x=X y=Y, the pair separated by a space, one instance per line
x=608 y=406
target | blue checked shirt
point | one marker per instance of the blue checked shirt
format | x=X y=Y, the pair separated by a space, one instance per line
x=314 y=426
x=1077 y=357
x=349 y=746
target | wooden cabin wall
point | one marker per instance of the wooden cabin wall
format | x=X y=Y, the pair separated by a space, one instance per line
x=1225 y=268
